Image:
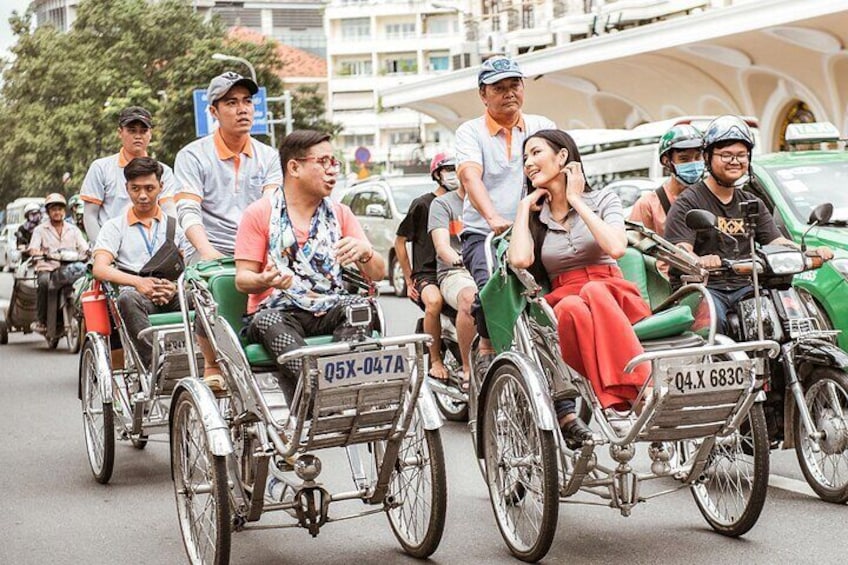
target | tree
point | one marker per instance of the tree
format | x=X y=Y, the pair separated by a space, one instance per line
x=63 y=91
x=308 y=111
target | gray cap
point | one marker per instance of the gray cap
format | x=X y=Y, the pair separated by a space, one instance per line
x=222 y=84
x=498 y=68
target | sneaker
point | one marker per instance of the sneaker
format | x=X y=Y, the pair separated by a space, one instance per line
x=576 y=432
x=39 y=327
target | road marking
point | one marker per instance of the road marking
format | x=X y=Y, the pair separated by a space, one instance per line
x=792 y=485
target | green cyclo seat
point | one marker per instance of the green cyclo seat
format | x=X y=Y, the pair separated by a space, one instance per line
x=220 y=275
x=641 y=270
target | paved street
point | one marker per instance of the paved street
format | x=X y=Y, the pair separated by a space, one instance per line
x=52 y=511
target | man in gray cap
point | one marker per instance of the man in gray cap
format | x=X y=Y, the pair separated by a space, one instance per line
x=104 y=188
x=489 y=165
x=219 y=175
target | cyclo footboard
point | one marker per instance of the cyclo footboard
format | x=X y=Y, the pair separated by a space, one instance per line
x=698 y=391
x=354 y=392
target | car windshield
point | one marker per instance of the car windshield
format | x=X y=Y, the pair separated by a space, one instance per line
x=805 y=187
x=405 y=194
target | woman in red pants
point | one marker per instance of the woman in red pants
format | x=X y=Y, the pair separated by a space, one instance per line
x=570 y=237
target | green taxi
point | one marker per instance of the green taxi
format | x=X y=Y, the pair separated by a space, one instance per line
x=792 y=183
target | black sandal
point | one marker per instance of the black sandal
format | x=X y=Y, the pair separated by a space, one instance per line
x=576 y=432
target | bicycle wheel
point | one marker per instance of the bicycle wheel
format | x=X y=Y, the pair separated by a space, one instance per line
x=417 y=494
x=200 y=488
x=826 y=469
x=97 y=419
x=521 y=468
x=735 y=478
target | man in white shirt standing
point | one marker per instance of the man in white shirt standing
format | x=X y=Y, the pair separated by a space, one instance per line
x=104 y=189
x=490 y=168
x=218 y=177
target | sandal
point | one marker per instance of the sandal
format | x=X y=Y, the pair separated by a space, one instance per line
x=575 y=432
x=215 y=382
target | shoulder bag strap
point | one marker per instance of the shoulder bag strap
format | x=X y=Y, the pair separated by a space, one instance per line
x=666 y=203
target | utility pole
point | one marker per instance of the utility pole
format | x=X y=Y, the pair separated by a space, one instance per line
x=288 y=120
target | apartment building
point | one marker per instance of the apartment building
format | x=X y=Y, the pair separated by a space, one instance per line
x=372 y=44
x=298 y=23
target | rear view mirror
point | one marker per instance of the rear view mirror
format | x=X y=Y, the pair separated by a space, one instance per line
x=376 y=211
x=700 y=220
x=821 y=214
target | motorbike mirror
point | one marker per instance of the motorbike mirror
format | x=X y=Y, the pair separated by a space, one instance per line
x=821 y=214
x=700 y=220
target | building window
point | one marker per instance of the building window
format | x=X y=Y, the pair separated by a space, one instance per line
x=404 y=136
x=400 y=31
x=404 y=65
x=439 y=63
x=355 y=68
x=357 y=29
x=528 y=20
x=440 y=25
x=358 y=140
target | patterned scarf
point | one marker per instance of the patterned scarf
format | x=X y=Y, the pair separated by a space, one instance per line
x=317 y=281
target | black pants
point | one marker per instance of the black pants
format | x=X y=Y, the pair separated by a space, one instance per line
x=43 y=282
x=135 y=309
x=285 y=330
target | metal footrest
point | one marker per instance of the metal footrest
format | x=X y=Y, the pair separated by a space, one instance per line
x=692 y=416
x=356 y=414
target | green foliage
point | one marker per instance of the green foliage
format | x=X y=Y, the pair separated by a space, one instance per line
x=62 y=92
x=308 y=111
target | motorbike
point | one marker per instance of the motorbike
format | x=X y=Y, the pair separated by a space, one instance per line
x=19 y=315
x=806 y=405
x=63 y=315
x=450 y=397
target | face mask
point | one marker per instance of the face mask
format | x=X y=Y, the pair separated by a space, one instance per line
x=689 y=173
x=449 y=180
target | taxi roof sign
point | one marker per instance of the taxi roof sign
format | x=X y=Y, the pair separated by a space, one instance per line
x=816 y=132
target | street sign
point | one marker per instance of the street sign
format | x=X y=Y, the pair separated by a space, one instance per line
x=204 y=123
x=362 y=155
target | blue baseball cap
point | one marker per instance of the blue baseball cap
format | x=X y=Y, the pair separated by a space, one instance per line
x=498 y=68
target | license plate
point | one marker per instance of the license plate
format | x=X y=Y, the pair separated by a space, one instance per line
x=699 y=378
x=367 y=366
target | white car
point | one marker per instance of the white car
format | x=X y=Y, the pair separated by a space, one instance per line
x=9 y=254
x=629 y=190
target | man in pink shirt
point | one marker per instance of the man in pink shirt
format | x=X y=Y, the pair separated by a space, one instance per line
x=290 y=249
x=681 y=155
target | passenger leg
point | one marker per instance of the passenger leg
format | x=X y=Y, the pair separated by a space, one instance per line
x=280 y=332
x=43 y=282
x=135 y=309
x=432 y=300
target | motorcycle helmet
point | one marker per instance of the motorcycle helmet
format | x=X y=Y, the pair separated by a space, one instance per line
x=32 y=208
x=728 y=128
x=55 y=198
x=439 y=162
x=681 y=136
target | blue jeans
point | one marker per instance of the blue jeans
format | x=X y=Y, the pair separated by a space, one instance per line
x=726 y=300
x=474 y=259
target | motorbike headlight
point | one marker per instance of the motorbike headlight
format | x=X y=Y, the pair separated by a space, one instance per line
x=787 y=263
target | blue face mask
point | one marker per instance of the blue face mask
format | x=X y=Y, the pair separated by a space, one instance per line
x=689 y=173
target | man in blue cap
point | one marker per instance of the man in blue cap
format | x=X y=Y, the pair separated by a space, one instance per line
x=489 y=164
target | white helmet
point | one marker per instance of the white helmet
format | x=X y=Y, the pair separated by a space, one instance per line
x=31 y=207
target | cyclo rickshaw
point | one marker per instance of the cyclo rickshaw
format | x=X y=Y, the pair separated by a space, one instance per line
x=700 y=421
x=129 y=401
x=243 y=452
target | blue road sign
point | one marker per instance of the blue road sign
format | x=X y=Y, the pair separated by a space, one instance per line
x=362 y=155
x=204 y=123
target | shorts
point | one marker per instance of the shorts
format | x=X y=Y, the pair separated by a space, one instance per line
x=421 y=281
x=453 y=284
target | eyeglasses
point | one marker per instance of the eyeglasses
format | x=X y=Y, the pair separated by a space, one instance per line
x=741 y=158
x=328 y=162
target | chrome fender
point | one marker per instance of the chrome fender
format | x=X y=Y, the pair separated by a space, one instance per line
x=427 y=410
x=217 y=431
x=103 y=365
x=544 y=414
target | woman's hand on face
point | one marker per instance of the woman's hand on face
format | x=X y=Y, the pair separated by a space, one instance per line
x=575 y=182
x=534 y=200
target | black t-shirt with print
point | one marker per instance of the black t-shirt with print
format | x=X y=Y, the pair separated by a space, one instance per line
x=414 y=229
x=733 y=245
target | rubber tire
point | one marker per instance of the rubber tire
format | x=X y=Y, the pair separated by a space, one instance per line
x=548 y=456
x=103 y=474
x=220 y=486
x=828 y=494
x=139 y=442
x=400 y=290
x=438 y=502
x=759 y=488
x=4 y=333
x=74 y=345
x=52 y=343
